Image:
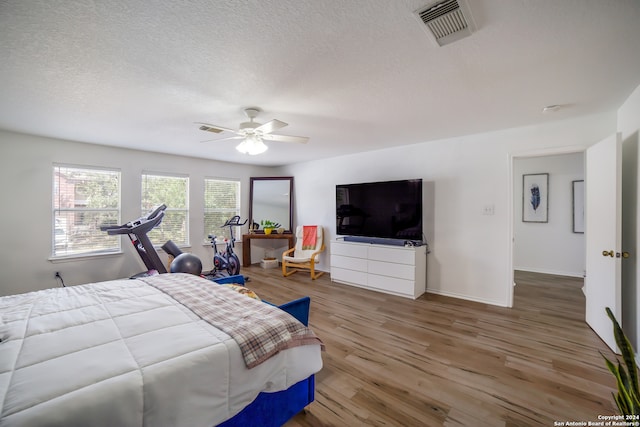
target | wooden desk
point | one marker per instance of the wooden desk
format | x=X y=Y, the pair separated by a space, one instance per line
x=246 y=243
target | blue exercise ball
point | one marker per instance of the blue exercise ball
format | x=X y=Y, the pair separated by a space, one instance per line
x=186 y=263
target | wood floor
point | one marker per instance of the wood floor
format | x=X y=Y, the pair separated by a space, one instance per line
x=441 y=361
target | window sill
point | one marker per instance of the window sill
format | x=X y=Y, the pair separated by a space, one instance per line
x=72 y=258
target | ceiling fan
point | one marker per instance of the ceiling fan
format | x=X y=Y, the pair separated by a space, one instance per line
x=252 y=133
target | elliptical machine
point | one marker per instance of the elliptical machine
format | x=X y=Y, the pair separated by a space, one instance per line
x=226 y=260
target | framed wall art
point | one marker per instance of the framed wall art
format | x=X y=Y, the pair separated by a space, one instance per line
x=578 y=206
x=535 y=197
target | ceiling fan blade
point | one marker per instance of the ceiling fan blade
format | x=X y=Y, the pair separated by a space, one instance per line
x=286 y=138
x=271 y=126
x=223 y=139
x=213 y=128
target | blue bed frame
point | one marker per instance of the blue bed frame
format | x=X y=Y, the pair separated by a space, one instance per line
x=275 y=409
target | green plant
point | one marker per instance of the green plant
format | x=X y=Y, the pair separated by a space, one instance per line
x=628 y=397
x=265 y=223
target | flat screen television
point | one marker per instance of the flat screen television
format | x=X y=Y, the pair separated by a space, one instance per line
x=388 y=210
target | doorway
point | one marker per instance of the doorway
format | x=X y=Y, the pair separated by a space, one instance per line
x=552 y=241
x=565 y=260
x=534 y=246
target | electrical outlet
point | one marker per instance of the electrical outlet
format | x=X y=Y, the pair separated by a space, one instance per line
x=57 y=275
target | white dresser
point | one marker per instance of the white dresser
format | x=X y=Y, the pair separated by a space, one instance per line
x=396 y=270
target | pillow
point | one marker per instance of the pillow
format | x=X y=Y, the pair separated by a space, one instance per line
x=242 y=290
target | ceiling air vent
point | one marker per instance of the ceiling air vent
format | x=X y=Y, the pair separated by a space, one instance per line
x=447 y=21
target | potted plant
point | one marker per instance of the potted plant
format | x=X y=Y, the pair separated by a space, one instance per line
x=269 y=226
x=628 y=397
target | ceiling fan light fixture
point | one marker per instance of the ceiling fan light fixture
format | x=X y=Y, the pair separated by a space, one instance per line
x=252 y=133
x=252 y=145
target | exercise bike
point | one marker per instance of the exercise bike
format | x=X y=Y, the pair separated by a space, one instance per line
x=226 y=260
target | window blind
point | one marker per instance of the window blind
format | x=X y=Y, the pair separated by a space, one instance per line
x=173 y=191
x=221 y=202
x=84 y=198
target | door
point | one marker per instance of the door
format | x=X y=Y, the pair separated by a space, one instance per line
x=603 y=236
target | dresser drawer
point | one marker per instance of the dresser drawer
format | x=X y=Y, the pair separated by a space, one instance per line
x=351 y=250
x=358 y=264
x=395 y=255
x=386 y=269
x=391 y=284
x=348 y=276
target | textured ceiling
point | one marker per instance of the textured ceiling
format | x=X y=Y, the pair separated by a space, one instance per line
x=353 y=75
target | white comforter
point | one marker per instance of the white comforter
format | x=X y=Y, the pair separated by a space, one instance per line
x=123 y=353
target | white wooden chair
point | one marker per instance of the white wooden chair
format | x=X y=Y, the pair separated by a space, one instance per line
x=304 y=257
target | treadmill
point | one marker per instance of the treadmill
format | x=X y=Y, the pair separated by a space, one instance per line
x=137 y=231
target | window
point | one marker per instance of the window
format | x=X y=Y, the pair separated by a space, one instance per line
x=221 y=202
x=172 y=191
x=83 y=200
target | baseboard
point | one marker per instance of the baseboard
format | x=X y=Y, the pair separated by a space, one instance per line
x=553 y=272
x=466 y=297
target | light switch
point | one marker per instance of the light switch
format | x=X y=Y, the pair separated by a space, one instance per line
x=488 y=210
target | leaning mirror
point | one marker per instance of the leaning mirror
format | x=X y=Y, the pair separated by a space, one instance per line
x=270 y=198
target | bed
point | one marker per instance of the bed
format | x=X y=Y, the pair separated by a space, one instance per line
x=135 y=353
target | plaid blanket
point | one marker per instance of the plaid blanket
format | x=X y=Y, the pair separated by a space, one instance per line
x=260 y=330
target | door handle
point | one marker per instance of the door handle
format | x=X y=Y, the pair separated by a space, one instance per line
x=616 y=254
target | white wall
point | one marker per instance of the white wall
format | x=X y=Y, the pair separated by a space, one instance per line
x=470 y=255
x=470 y=252
x=629 y=126
x=26 y=173
x=550 y=247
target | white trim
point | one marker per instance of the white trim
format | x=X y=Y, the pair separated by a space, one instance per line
x=554 y=272
x=167 y=174
x=466 y=297
x=549 y=151
x=509 y=275
x=82 y=257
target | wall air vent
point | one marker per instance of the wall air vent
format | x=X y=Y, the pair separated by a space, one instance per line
x=447 y=21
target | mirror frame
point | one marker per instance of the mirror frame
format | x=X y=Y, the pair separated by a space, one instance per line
x=272 y=178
